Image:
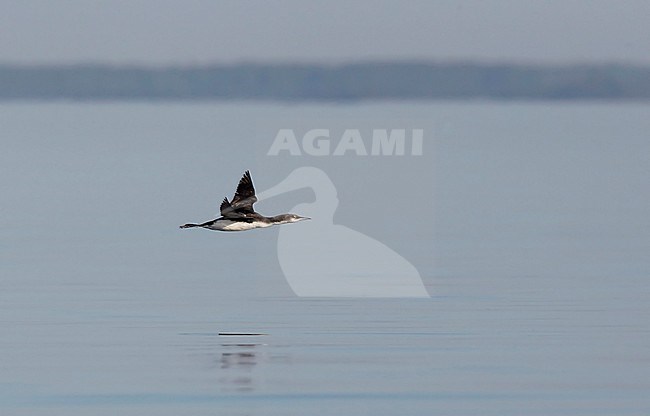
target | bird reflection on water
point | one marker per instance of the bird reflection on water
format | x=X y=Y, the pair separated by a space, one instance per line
x=242 y=365
x=236 y=366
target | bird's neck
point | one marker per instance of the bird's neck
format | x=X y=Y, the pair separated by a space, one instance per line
x=278 y=219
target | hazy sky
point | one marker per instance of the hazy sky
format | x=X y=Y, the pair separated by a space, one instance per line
x=194 y=31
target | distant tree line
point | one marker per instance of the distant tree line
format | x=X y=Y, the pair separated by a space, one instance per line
x=362 y=81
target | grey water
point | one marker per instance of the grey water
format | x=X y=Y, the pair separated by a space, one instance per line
x=528 y=223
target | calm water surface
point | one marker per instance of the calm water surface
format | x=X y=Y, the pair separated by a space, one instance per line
x=529 y=224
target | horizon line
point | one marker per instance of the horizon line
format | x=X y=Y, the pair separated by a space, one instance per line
x=337 y=64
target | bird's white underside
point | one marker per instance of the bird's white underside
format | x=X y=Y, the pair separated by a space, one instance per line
x=228 y=225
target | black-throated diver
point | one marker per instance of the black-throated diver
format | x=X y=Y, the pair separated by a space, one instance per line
x=238 y=214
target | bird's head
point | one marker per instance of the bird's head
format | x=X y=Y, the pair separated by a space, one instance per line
x=288 y=218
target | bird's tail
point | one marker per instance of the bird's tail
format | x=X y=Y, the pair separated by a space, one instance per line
x=190 y=225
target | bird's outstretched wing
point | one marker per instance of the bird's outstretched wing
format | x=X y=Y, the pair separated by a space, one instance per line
x=227 y=210
x=242 y=202
x=245 y=195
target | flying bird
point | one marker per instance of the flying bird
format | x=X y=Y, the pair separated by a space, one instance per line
x=238 y=214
